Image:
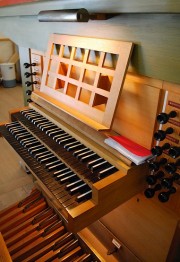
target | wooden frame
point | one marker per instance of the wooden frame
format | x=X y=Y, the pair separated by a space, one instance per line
x=85 y=76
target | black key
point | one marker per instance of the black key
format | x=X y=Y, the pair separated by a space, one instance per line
x=93 y=162
x=57 y=132
x=61 y=171
x=54 y=129
x=106 y=172
x=64 y=141
x=84 y=196
x=62 y=137
x=73 y=184
x=52 y=163
x=31 y=143
x=70 y=177
x=77 y=188
x=45 y=158
x=40 y=149
x=90 y=156
x=102 y=164
x=55 y=166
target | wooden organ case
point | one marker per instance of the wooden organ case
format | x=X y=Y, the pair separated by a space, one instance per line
x=60 y=138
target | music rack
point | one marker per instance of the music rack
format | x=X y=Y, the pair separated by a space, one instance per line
x=86 y=76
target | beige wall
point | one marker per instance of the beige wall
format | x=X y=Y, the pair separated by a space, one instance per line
x=156 y=35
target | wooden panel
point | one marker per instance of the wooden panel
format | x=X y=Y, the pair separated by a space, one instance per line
x=87 y=75
x=171 y=103
x=144 y=226
x=137 y=109
x=37 y=57
x=105 y=245
x=24 y=54
x=174 y=252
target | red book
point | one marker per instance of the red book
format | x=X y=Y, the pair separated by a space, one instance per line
x=133 y=151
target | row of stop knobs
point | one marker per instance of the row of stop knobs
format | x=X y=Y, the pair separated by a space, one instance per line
x=163 y=173
x=29 y=83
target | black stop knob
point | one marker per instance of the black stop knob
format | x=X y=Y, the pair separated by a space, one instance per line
x=157 y=150
x=161 y=135
x=168 y=181
x=163 y=118
x=154 y=166
x=149 y=192
x=172 y=167
x=28 y=83
x=29 y=100
x=152 y=179
x=28 y=92
x=164 y=196
x=27 y=74
x=27 y=65
x=174 y=151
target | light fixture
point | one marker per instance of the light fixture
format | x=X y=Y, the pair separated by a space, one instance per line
x=69 y=15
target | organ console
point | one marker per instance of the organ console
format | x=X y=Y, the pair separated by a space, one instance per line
x=83 y=178
x=60 y=139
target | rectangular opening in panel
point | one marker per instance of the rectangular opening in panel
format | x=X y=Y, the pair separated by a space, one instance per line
x=79 y=54
x=100 y=102
x=75 y=72
x=85 y=95
x=67 y=51
x=105 y=82
x=71 y=90
x=110 y=61
x=93 y=57
x=55 y=49
x=50 y=81
x=63 y=69
x=89 y=77
x=53 y=65
x=59 y=84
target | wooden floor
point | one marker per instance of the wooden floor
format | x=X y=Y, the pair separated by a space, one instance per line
x=15 y=184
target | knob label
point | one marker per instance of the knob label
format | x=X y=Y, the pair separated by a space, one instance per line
x=174 y=122
x=170 y=138
x=174 y=104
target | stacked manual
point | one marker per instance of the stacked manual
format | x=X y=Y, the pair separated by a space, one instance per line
x=136 y=153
